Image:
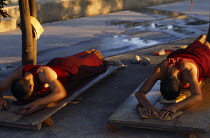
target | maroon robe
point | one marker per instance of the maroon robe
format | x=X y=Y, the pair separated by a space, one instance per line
x=68 y=69
x=199 y=53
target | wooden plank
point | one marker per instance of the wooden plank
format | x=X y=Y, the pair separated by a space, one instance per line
x=121 y=114
x=156 y=122
x=34 y=120
x=9 y=117
x=16 y=125
x=127 y=113
x=194 y=119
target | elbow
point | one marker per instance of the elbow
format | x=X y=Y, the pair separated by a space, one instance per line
x=199 y=98
x=62 y=95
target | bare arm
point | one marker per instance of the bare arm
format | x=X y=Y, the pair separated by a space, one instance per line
x=157 y=74
x=46 y=75
x=190 y=76
x=6 y=83
x=196 y=94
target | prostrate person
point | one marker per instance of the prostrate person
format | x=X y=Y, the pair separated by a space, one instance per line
x=182 y=68
x=38 y=85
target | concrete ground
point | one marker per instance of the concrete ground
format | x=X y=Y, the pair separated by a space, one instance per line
x=89 y=117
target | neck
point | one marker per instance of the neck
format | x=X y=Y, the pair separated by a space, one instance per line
x=174 y=72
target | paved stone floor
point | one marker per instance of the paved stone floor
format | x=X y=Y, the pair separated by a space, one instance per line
x=119 y=36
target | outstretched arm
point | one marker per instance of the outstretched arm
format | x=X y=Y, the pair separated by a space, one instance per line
x=157 y=74
x=195 y=97
x=190 y=76
x=48 y=76
x=6 y=83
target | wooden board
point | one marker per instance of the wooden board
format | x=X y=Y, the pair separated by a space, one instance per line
x=34 y=120
x=194 y=119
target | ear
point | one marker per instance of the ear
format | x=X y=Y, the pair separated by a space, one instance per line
x=31 y=86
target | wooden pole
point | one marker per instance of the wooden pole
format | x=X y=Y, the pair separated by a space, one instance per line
x=33 y=12
x=27 y=43
x=32 y=6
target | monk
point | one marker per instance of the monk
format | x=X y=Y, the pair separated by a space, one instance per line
x=38 y=85
x=182 y=68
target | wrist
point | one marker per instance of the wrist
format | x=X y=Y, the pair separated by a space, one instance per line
x=175 y=107
x=143 y=100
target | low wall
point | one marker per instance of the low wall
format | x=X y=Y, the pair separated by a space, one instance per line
x=55 y=10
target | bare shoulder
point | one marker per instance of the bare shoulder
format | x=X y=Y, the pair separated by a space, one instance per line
x=159 y=71
x=161 y=67
x=44 y=69
x=188 y=66
x=46 y=73
x=189 y=71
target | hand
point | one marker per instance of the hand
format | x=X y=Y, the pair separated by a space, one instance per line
x=149 y=110
x=3 y=104
x=167 y=111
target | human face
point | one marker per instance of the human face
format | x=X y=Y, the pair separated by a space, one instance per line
x=30 y=80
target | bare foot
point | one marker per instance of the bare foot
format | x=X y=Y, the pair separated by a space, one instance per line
x=100 y=56
x=207 y=44
x=202 y=38
x=92 y=50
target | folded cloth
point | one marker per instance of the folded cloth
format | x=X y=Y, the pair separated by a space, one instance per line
x=178 y=99
x=144 y=116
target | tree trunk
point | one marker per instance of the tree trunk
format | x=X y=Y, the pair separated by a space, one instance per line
x=27 y=43
x=33 y=12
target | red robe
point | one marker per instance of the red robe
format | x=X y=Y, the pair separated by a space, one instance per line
x=68 y=69
x=197 y=52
